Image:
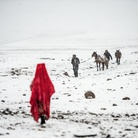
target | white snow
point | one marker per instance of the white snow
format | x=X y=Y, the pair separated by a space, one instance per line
x=50 y=32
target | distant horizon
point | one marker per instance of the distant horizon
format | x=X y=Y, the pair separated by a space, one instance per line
x=37 y=23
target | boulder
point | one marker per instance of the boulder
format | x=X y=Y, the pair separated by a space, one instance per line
x=89 y=95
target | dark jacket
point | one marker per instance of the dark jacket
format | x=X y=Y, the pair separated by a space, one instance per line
x=75 y=61
x=108 y=55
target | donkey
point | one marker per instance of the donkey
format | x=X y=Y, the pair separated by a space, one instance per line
x=100 y=60
x=118 y=55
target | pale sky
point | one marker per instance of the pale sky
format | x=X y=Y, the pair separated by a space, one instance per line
x=30 y=19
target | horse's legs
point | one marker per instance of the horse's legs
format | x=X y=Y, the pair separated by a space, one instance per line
x=119 y=61
x=99 y=65
x=102 y=65
x=106 y=64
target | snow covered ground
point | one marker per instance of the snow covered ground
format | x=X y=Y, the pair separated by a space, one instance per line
x=108 y=115
x=50 y=32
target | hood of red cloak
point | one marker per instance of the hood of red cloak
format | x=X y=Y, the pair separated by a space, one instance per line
x=42 y=90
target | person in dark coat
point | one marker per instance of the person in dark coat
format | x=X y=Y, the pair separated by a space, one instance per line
x=75 y=62
x=108 y=55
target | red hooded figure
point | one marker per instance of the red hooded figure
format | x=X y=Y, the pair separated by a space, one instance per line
x=42 y=90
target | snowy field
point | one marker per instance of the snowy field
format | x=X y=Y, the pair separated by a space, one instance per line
x=108 y=115
x=50 y=32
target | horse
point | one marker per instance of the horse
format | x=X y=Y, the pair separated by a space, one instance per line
x=118 y=55
x=100 y=60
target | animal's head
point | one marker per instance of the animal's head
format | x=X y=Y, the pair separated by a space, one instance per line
x=94 y=54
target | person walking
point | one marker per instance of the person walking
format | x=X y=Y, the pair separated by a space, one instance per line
x=75 y=62
x=42 y=89
x=108 y=55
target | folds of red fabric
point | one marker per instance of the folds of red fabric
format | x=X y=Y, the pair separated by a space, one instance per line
x=42 y=89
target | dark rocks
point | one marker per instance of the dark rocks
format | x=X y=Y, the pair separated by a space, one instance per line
x=89 y=95
x=15 y=72
x=66 y=74
x=109 y=79
x=103 y=108
x=126 y=98
x=7 y=111
x=132 y=73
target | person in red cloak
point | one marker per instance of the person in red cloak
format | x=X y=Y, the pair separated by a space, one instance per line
x=42 y=90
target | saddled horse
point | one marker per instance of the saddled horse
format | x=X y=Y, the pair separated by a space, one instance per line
x=118 y=55
x=100 y=60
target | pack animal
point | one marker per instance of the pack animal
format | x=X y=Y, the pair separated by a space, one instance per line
x=118 y=56
x=100 y=60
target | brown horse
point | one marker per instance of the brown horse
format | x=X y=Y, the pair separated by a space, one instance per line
x=100 y=60
x=118 y=55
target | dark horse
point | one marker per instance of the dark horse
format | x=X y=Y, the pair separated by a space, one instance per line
x=118 y=55
x=100 y=60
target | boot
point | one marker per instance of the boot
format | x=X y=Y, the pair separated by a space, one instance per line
x=42 y=119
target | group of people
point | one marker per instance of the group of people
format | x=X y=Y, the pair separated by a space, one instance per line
x=42 y=89
x=75 y=61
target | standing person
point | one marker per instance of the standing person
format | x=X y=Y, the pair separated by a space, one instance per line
x=42 y=90
x=108 y=55
x=75 y=62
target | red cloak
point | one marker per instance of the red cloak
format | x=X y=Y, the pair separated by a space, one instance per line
x=42 y=90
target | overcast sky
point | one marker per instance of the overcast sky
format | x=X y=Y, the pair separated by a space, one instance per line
x=30 y=19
